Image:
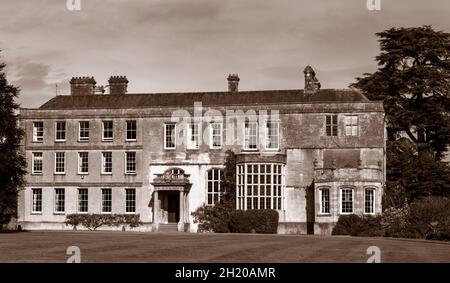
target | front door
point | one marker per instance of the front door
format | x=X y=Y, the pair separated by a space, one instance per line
x=173 y=207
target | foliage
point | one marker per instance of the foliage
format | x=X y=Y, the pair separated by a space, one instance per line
x=254 y=221
x=359 y=225
x=395 y=222
x=94 y=221
x=413 y=81
x=12 y=162
x=430 y=218
x=217 y=218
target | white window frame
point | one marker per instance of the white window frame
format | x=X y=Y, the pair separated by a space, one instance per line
x=272 y=187
x=352 y=125
x=340 y=200
x=60 y=131
x=56 y=163
x=104 y=162
x=173 y=136
x=212 y=135
x=130 y=130
x=127 y=172
x=248 y=135
x=130 y=203
x=84 y=139
x=56 y=201
x=80 y=163
x=193 y=135
x=35 y=201
x=267 y=135
x=374 y=192
x=34 y=159
x=36 y=138
x=102 y=202
x=79 y=200
x=103 y=131
x=321 y=210
x=213 y=182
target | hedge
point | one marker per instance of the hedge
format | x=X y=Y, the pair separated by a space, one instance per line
x=254 y=221
x=94 y=221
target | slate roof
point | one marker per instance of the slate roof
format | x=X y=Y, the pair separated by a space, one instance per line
x=140 y=100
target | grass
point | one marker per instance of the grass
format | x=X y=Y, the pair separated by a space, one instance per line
x=100 y=246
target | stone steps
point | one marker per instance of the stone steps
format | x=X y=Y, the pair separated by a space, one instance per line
x=169 y=227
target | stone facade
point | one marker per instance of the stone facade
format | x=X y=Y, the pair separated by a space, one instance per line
x=321 y=161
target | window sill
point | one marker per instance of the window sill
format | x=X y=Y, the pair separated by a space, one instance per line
x=130 y=213
x=131 y=173
x=106 y=173
x=216 y=148
x=83 y=174
x=37 y=174
x=37 y=141
x=250 y=150
x=60 y=141
x=59 y=213
x=324 y=214
x=170 y=148
x=130 y=140
x=36 y=213
x=107 y=140
x=59 y=173
x=82 y=212
x=83 y=141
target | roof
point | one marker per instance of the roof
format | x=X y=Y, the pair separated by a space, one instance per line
x=141 y=100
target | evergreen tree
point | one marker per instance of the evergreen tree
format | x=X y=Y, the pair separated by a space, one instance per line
x=413 y=80
x=12 y=162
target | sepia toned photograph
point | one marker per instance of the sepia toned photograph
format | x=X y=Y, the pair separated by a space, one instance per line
x=238 y=134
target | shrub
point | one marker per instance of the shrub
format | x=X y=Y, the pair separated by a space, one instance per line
x=94 y=221
x=359 y=225
x=258 y=221
x=395 y=222
x=430 y=218
x=213 y=218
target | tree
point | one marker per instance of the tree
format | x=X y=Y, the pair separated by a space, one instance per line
x=217 y=218
x=413 y=80
x=12 y=162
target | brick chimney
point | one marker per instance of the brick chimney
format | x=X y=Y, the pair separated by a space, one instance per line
x=118 y=85
x=312 y=84
x=82 y=86
x=233 y=83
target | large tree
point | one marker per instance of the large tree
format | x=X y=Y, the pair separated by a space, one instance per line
x=413 y=80
x=12 y=162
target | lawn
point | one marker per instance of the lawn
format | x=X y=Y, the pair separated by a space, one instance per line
x=100 y=246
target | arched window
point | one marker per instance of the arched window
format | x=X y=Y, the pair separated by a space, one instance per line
x=213 y=185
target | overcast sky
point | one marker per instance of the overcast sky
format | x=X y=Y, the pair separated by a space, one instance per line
x=192 y=45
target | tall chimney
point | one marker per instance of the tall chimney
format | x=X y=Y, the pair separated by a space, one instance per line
x=312 y=84
x=118 y=85
x=233 y=83
x=82 y=86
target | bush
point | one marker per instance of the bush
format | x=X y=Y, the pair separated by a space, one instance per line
x=94 y=221
x=257 y=221
x=395 y=223
x=359 y=225
x=430 y=218
x=213 y=218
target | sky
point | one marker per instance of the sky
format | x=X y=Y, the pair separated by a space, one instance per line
x=192 y=45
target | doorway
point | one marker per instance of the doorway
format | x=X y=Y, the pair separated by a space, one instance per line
x=173 y=207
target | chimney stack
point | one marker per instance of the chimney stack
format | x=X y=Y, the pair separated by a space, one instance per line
x=82 y=86
x=233 y=83
x=118 y=85
x=312 y=84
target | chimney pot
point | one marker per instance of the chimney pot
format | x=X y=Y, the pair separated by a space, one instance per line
x=118 y=85
x=82 y=86
x=233 y=83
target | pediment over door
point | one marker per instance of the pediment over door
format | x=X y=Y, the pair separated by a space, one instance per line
x=173 y=179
